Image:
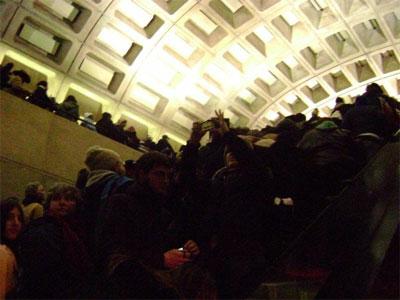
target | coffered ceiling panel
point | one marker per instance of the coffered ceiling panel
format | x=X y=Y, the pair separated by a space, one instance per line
x=165 y=64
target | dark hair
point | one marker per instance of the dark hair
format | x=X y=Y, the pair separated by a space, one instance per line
x=151 y=159
x=7 y=67
x=106 y=115
x=6 y=206
x=339 y=100
x=60 y=190
x=31 y=193
x=42 y=83
x=70 y=98
x=130 y=163
x=374 y=89
x=23 y=75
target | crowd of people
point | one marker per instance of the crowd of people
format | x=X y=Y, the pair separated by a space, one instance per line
x=13 y=82
x=205 y=224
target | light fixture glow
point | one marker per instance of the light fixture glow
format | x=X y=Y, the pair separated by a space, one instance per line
x=316 y=48
x=97 y=70
x=247 y=96
x=291 y=98
x=41 y=39
x=239 y=53
x=61 y=8
x=182 y=120
x=180 y=46
x=136 y=13
x=216 y=73
x=160 y=71
x=319 y=4
x=268 y=77
x=263 y=34
x=233 y=5
x=233 y=118
x=114 y=40
x=145 y=97
x=199 y=95
x=272 y=115
x=290 y=61
x=312 y=83
x=290 y=18
x=203 y=22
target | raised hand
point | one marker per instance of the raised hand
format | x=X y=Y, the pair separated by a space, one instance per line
x=174 y=258
x=222 y=124
x=192 y=247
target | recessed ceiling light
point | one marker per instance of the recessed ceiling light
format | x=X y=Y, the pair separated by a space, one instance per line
x=290 y=18
x=136 y=13
x=239 y=53
x=263 y=33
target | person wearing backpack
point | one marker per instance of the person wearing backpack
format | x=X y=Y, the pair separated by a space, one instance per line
x=106 y=177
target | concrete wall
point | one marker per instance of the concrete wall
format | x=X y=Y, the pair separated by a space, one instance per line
x=36 y=145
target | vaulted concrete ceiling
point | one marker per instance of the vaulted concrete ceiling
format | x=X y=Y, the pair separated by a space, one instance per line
x=163 y=64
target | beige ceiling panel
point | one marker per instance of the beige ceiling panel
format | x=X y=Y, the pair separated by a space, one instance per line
x=205 y=27
x=136 y=15
x=236 y=117
x=387 y=60
x=259 y=60
x=42 y=40
x=251 y=100
x=101 y=71
x=361 y=70
x=182 y=120
x=7 y=11
x=292 y=69
x=262 y=38
x=233 y=12
x=371 y=34
x=342 y=44
x=172 y=9
x=100 y=5
x=319 y=13
x=110 y=38
x=317 y=56
x=77 y=17
x=314 y=91
x=293 y=28
x=263 y=5
x=352 y=7
x=182 y=49
x=393 y=22
x=337 y=80
x=293 y=103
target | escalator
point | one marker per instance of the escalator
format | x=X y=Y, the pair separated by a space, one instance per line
x=350 y=251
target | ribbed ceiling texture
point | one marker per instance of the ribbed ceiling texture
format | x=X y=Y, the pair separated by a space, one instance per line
x=163 y=64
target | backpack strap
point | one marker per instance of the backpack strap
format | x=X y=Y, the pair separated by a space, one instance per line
x=113 y=184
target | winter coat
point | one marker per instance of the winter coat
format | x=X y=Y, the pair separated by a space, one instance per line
x=107 y=128
x=136 y=226
x=69 y=109
x=40 y=98
x=363 y=119
x=92 y=198
x=241 y=223
x=54 y=261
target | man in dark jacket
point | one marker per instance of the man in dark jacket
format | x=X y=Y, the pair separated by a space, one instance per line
x=40 y=98
x=106 y=127
x=242 y=218
x=106 y=170
x=69 y=109
x=137 y=234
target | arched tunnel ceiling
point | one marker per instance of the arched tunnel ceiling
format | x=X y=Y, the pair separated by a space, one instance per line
x=163 y=64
